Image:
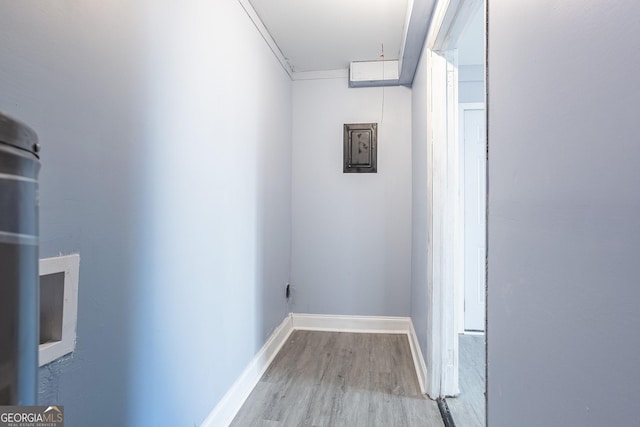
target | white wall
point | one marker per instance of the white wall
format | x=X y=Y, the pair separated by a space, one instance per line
x=351 y=247
x=166 y=150
x=564 y=223
x=422 y=207
x=218 y=183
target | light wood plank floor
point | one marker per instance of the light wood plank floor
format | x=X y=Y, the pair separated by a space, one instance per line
x=340 y=379
x=468 y=408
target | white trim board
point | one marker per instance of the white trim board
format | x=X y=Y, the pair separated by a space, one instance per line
x=230 y=404
x=253 y=15
x=69 y=265
x=340 y=323
x=418 y=360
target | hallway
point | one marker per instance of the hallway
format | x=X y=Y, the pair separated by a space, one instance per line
x=197 y=174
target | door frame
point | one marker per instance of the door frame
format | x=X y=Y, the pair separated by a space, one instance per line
x=460 y=293
x=449 y=20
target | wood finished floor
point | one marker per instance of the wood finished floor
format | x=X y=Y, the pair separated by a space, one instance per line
x=468 y=409
x=340 y=379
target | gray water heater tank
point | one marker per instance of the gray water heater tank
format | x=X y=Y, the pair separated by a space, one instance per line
x=19 y=279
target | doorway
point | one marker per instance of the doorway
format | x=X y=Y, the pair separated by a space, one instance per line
x=473 y=148
x=456 y=50
x=468 y=407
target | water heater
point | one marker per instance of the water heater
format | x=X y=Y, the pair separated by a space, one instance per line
x=19 y=284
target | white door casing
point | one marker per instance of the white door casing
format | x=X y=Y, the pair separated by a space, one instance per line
x=448 y=21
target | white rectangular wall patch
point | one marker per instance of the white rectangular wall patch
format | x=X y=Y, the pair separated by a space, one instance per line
x=58 y=306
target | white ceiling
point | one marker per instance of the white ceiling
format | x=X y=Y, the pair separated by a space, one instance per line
x=316 y=35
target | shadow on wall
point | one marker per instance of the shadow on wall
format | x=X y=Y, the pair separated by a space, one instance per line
x=217 y=190
x=88 y=183
x=170 y=175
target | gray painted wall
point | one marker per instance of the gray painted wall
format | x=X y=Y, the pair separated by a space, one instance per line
x=421 y=207
x=166 y=165
x=71 y=73
x=351 y=232
x=564 y=223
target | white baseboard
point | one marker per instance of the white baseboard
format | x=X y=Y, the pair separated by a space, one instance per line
x=418 y=359
x=228 y=407
x=230 y=404
x=365 y=324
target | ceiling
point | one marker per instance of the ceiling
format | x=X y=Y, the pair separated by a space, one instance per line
x=318 y=35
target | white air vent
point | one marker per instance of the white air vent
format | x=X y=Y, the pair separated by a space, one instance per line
x=374 y=73
x=58 y=306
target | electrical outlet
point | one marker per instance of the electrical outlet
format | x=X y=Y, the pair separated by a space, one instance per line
x=287 y=291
